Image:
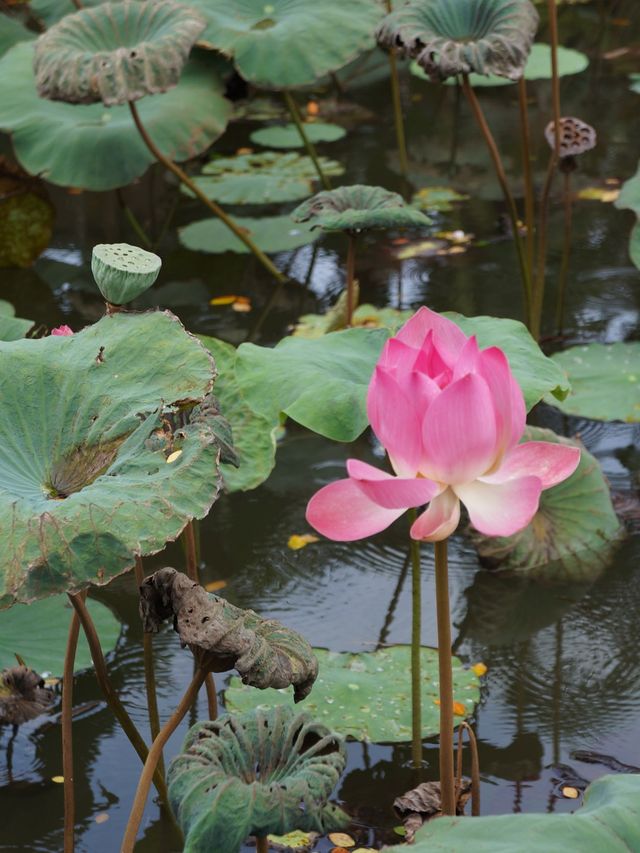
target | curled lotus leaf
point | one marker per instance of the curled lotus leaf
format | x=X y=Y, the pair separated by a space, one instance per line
x=123 y=272
x=574 y=532
x=116 y=52
x=358 y=208
x=222 y=636
x=90 y=472
x=254 y=774
x=23 y=695
x=450 y=37
x=93 y=147
x=288 y=43
x=576 y=136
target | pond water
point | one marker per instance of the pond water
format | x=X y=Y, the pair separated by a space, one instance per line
x=563 y=666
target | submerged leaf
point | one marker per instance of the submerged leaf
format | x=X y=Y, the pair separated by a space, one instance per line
x=255 y=774
x=270 y=233
x=424 y=802
x=222 y=637
x=23 y=695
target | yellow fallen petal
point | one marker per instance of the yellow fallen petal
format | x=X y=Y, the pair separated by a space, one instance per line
x=480 y=669
x=571 y=793
x=341 y=839
x=459 y=709
x=103 y=817
x=59 y=780
x=296 y=541
x=223 y=300
x=215 y=585
x=173 y=456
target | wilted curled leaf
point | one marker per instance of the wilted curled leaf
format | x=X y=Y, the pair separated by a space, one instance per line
x=23 y=695
x=222 y=637
x=423 y=803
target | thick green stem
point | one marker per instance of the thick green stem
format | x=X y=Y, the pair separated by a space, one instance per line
x=416 y=637
x=149 y=672
x=150 y=765
x=529 y=200
x=502 y=178
x=566 y=252
x=308 y=144
x=182 y=176
x=351 y=273
x=447 y=787
x=67 y=734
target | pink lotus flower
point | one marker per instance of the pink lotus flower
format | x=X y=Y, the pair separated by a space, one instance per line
x=61 y=330
x=450 y=417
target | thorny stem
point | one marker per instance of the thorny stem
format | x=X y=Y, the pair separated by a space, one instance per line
x=502 y=178
x=150 y=765
x=212 y=205
x=67 y=734
x=109 y=693
x=416 y=636
x=446 y=679
x=351 y=271
x=529 y=200
x=475 y=767
x=308 y=144
x=149 y=672
x=566 y=252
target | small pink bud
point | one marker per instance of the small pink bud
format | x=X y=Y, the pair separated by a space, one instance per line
x=62 y=330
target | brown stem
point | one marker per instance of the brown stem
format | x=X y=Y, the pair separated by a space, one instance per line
x=189 y=539
x=529 y=199
x=308 y=144
x=110 y=694
x=397 y=114
x=446 y=679
x=351 y=270
x=149 y=672
x=502 y=178
x=208 y=202
x=212 y=698
x=78 y=4
x=535 y=321
x=555 y=77
x=150 y=765
x=262 y=844
x=566 y=252
x=416 y=637
x=67 y=734
x=475 y=767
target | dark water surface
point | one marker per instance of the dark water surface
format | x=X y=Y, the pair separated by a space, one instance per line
x=563 y=668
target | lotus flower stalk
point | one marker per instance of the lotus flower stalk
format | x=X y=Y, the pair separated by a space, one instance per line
x=308 y=144
x=67 y=734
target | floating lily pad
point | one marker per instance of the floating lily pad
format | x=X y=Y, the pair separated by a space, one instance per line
x=38 y=633
x=347 y=695
x=440 y=199
x=287 y=135
x=12 y=328
x=255 y=774
x=605 y=381
x=265 y=178
x=271 y=234
x=574 y=532
x=115 y=52
x=447 y=39
x=629 y=198
x=11 y=32
x=89 y=469
x=254 y=436
x=95 y=148
x=358 y=208
x=607 y=822
x=288 y=43
x=538 y=67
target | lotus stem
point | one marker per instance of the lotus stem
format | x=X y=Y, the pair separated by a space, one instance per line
x=208 y=202
x=212 y=697
x=133 y=221
x=529 y=199
x=149 y=672
x=397 y=114
x=262 y=844
x=416 y=637
x=447 y=788
x=537 y=302
x=67 y=734
x=502 y=178
x=109 y=693
x=150 y=765
x=566 y=252
x=308 y=144
x=555 y=77
x=351 y=270
x=475 y=767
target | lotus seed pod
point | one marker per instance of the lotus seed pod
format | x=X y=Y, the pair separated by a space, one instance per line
x=123 y=272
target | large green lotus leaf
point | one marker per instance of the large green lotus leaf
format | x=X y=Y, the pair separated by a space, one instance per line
x=347 y=694
x=607 y=822
x=538 y=67
x=11 y=32
x=574 y=532
x=38 y=633
x=358 y=208
x=253 y=774
x=269 y=233
x=52 y=11
x=12 y=328
x=536 y=374
x=288 y=43
x=605 y=381
x=116 y=52
x=322 y=384
x=96 y=148
x=268 y=177
x=89 y=475
x=287 y=135
x=254 y=435
x=449 y=38
x=629 y=198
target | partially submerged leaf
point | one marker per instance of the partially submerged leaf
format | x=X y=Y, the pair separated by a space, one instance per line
x=347 y=697
x=358 y=208
x=255 y=774
x=293 y=842
x=424 y=802
x=440 y=199
x=288 y=136
x=222 y=637
x=270 y=233
x=23 y=695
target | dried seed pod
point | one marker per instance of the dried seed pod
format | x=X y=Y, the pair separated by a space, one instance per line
x=576 y=136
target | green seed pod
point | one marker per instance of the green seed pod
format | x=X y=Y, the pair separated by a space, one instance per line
x=123 y=272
